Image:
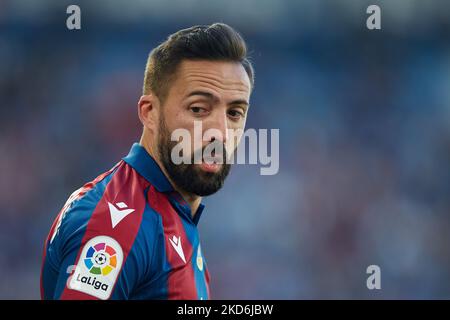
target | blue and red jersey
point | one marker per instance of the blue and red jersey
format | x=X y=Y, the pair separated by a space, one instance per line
x=125 y=235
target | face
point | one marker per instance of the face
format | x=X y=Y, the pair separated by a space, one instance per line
x=217 y=94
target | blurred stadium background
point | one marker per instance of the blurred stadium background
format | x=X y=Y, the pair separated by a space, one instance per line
x=364 y=119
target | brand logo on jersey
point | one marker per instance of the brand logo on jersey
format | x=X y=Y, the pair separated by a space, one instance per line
x=118 y=212
x=98 y=267
x=176 y=244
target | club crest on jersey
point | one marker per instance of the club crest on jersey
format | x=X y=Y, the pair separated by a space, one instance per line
x=199 y=259
x=98 y=267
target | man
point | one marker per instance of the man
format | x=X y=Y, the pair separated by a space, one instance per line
x=132 y=232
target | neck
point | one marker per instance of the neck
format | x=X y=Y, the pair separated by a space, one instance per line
x=192 y=199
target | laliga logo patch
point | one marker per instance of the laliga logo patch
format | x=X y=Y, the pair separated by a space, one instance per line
x=101 y=259
x=98 y=267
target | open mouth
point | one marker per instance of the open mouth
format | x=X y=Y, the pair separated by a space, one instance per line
x=210 y=167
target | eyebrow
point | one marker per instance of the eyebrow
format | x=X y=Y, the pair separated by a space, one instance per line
x=210 y=96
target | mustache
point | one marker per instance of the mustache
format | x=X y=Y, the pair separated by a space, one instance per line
x=212 y=152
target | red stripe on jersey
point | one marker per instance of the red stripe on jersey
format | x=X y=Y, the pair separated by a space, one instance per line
x=181 y=281
x=57 y=222
x=125 y=186
x=207 y=279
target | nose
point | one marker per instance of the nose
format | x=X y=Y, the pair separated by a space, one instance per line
x=217 y=127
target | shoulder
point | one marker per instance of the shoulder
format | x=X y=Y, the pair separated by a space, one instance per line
x=110 y=228
x=113 y=204
x=79 y=207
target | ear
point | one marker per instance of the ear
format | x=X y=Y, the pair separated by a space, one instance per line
x=148 y=111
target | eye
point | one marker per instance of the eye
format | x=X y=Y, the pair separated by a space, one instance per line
x=198 y=110
x=235 y=114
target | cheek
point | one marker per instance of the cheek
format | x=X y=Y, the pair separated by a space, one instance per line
x=186 y=126
x=233 y=141
x=175 y=119
x=240 y=125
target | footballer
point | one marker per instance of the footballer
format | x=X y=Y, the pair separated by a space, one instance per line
x=131 y=233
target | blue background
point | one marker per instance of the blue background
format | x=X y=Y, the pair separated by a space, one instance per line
x=364 y=119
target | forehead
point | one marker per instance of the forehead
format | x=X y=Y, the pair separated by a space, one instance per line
x=219 y=76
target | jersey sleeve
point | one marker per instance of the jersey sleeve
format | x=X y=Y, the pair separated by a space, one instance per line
x=99 y=265
x=93 y=253
x=99 y=271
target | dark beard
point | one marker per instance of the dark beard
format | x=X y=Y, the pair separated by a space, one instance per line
x=189 y=177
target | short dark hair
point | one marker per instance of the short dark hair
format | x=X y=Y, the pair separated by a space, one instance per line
x=216 y=42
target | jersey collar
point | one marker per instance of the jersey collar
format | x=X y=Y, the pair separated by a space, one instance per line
x=147 y=167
